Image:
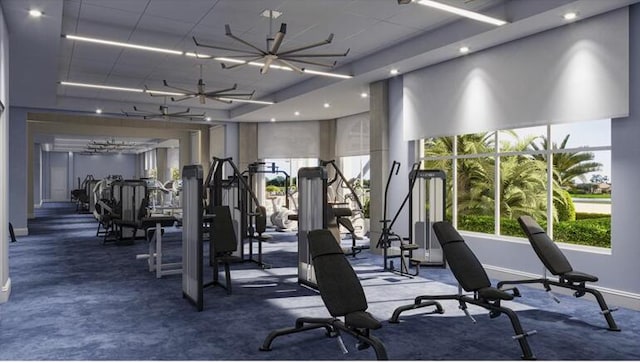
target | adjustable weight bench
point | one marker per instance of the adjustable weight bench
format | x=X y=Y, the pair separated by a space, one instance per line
x=343 y=296
x=471 y=277
x=556 y=262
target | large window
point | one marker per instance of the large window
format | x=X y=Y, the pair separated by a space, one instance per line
x=559 y=174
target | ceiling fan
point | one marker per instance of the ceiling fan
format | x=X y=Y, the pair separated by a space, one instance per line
x=222 y=95
x=163 y=113
x=272 y=53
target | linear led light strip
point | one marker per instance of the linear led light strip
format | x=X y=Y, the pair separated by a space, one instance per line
x=462 y=12
x=196 y=55
x=138 y=90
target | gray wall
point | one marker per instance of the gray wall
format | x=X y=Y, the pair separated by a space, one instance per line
x=618 y=269
x=18 y=169
x=101 y=166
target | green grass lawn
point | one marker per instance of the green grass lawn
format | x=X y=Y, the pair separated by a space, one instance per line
x=591 y=196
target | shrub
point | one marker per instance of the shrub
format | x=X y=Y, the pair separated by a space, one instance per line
x=588 y=232
x=564 y=208
x=591 y=215
x=271 y=189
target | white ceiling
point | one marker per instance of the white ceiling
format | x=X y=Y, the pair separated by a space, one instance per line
x=379 y=33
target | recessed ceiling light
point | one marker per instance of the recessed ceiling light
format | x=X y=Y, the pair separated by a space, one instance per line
x=327 y=105
x=273 y=119
x=35 y=13
x=297 y=113
x=364 y=95
x=98 y=110
x=570 y=15
x=208 y=118
x=464 y=49
x=394 y=71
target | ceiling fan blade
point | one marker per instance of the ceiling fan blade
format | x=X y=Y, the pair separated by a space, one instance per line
x=235 y=95
x=291 y=65
x=182 y=98
x=202 y=98
x=319 y=55
x=230 y=35
x=186 y=91
x=219 y=47
x=214 y=93
x=225 y=66
x=277 y=41
x=219 y=100
x=292 y=59
x=314 y=45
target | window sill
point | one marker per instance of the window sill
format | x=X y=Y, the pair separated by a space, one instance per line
x=518 y=240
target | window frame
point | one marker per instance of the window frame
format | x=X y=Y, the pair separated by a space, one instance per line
x=497 y=154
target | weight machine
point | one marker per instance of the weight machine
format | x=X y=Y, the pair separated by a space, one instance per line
x=236 y=192
x=427 y=203
x=344 y=208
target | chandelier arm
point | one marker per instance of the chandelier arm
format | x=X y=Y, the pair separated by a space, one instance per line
x=309 y=62
x=314 y=45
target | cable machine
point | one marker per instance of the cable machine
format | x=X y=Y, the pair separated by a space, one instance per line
x=427 y=204
x=236 y=192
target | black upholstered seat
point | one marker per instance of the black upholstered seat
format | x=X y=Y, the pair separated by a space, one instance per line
x=557 y=263
x=339 y=286
x=223 y=244
x=342 y=295
x=471 y=277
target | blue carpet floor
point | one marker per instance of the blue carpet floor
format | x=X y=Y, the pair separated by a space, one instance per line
x=74 y=298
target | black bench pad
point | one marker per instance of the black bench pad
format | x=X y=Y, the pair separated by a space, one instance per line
x=577 y=276
x=361 y=320
x=491 y=293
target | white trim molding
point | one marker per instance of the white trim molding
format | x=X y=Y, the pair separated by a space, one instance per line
x=21 y=231
x=612 y=296
x=5 y=291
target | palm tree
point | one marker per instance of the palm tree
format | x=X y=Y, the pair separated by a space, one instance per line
x=567 y=166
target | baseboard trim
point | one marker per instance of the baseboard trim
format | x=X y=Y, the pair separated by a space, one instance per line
x=614 y=297
x=5 y=292
x=21 y=231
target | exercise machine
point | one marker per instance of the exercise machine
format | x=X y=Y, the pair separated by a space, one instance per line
x=427 y=205
x=341 y=293
x=236 y=192
x=471 y=277
x=312 y=215
x=392 y=244
x=192 y=246
x=556 y=263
